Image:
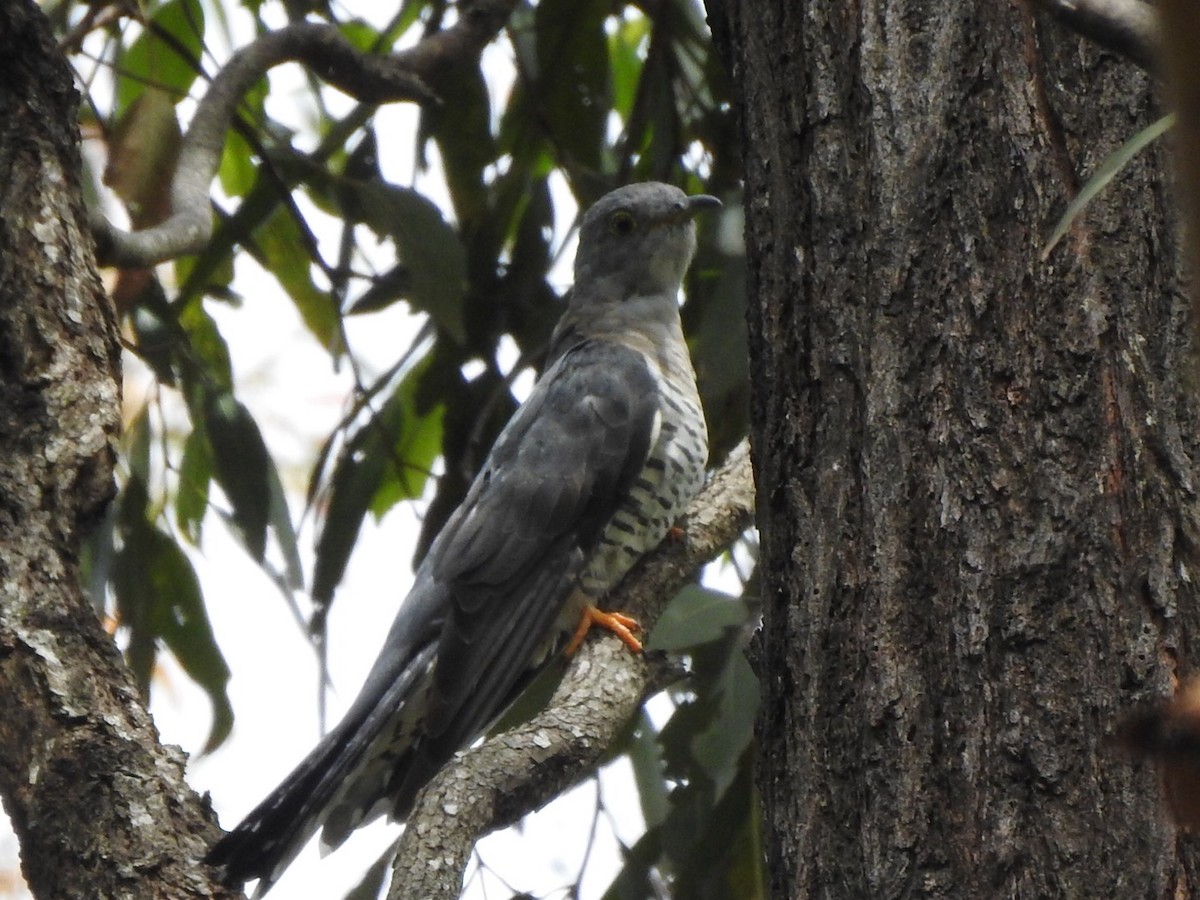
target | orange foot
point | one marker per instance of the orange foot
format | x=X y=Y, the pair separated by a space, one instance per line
x=620 y=625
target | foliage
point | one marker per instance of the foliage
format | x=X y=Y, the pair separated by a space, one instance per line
x=603 y=92
x=1107 y=171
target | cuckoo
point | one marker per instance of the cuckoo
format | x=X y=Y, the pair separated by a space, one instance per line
x=589 y=474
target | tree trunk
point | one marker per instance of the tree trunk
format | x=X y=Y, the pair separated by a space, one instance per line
x=976 y=469
x=100 y=809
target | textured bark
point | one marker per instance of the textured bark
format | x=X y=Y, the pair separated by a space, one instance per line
x=100 y=809
x=1181 y=71
x=976 y=472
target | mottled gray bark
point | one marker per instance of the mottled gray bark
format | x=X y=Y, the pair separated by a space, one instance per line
x=100 y=809
x=976 y=471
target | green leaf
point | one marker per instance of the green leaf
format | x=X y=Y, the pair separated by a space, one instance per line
x=386 y=288
x=418 y=441
x=158 y=598
x=572 y=82
x=712 y=846
x=696 y=616
x=646 y=758
x=133 y=593
x=532 y=698
x=370 y=886
x=283 y=252
x=747 y=875
x=137 y=446
x=626 y=52
x=463 y=130
x=387 y=459
x=191 y=497
x=633 y=881
x=353 y=483
x=285 y=532
x=360 y=34
x=182 y=622
x=226 y=443
x=1107 y=171
x=241 y=464
x=714 y=318
x=239 y=169
x=167 y=62
x=433 y=258
x=208 y=363
x=718 y=748
x=215 y=260
x=209 y=273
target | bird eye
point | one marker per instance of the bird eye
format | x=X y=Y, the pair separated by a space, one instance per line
x=621 y=222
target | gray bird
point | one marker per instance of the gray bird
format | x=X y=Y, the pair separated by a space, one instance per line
x=589 y=474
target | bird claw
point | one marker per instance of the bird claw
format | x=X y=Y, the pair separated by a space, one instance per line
x=621 y=625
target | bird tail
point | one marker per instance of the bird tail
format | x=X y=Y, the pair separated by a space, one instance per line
x=269 y=838
x=273 y=834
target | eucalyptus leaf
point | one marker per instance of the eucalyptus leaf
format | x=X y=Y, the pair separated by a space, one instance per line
x=696 y=616
x=1107 y=171
x=386 y=460
x=167 y=63
x=240 y=463
x=191 y=496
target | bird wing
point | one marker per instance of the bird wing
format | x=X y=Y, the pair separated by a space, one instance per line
x=511 y=554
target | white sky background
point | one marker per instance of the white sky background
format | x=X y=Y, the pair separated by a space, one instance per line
x=289 y=385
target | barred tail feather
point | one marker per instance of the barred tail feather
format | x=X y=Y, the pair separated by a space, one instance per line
x=275 y=832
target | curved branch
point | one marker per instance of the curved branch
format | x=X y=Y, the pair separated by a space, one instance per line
x=493 y=785
x=323 y=49
x=1127 y=27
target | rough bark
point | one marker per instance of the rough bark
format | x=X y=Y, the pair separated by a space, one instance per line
x=1180 y=67
x=976 y=472
x=100 y=809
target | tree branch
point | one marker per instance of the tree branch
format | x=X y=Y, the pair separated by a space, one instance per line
x=1127 y=27
x=323 y=49
x=495 y=784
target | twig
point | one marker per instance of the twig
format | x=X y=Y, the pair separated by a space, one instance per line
x=1127 y=27
x=368 y=78
x=493 y=785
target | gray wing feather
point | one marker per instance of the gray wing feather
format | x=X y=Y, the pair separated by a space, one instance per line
x=512 y=553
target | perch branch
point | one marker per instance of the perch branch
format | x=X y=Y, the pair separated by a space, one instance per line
x=493 y=785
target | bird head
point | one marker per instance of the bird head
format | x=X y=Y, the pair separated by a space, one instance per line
x=639 y=239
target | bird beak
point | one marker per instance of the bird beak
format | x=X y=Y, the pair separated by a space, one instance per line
x=701 y=202
x=688 y=208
